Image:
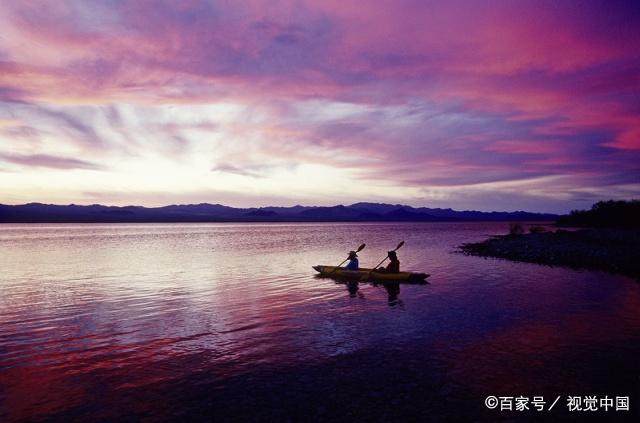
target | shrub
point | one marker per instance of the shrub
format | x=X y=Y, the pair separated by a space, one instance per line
x=621 y=214
x=536 y=229
x=515 y=229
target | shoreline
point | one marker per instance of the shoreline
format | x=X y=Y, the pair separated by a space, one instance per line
x=611 y=250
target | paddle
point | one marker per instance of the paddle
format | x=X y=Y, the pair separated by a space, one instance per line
x=360 y=248
x=383 y=260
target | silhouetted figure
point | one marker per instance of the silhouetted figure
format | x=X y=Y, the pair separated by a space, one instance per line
x=394 y=264
x=353 y=261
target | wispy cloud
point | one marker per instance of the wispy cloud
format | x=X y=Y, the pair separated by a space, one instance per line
x=252 y=171
x=47 y=161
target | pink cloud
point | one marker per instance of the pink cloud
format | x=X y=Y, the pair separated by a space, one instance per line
x=45 y=160
x=525 y=147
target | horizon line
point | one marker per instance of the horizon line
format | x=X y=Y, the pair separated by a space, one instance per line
x=277 y=206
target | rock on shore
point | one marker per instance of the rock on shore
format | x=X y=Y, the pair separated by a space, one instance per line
x=613 y=250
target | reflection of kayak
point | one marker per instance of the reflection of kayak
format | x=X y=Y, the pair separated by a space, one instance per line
x=367 y=274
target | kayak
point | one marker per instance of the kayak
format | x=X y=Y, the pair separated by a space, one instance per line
x=368 y=274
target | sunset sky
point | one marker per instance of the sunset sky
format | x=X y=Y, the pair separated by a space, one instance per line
x=473 y=105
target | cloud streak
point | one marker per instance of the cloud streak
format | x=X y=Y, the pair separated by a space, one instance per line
x=47 y=161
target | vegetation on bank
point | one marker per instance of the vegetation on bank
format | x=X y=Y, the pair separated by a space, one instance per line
x=611 y=243
x=612 y=250
x=605 y=214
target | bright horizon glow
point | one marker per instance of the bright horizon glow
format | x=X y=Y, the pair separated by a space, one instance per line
x=469 y=105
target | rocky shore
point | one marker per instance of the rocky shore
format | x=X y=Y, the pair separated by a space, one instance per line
x=612 y=250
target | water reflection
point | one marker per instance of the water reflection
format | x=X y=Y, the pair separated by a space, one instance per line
x=113 y=322
x=393 y=291
x=354 y=289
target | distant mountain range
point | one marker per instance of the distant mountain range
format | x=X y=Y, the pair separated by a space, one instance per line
x=358 y=212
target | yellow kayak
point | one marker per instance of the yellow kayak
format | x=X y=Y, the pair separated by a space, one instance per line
x=368 y=274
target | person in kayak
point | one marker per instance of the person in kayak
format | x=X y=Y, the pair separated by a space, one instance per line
x=394 y=264
x=353 y=261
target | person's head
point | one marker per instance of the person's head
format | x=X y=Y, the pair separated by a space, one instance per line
x=393 y=255
x=352 y=255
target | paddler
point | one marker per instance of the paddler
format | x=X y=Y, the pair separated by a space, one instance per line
x=394 y=263
x=353 y=261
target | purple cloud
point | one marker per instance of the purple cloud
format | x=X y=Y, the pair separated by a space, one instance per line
x=48 y=161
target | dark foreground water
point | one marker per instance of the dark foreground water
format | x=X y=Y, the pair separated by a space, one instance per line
x=227 y=322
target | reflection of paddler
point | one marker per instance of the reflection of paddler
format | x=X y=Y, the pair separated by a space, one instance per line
x=393 y=290
x=353 y=287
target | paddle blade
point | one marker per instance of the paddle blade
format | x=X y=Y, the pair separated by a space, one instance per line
x=399 y=245
x=360 y=248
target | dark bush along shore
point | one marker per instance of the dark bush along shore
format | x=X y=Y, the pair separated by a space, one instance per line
x=610 y=249
x=611 y=242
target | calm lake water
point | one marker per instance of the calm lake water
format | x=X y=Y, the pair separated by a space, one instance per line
x=228 y=322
